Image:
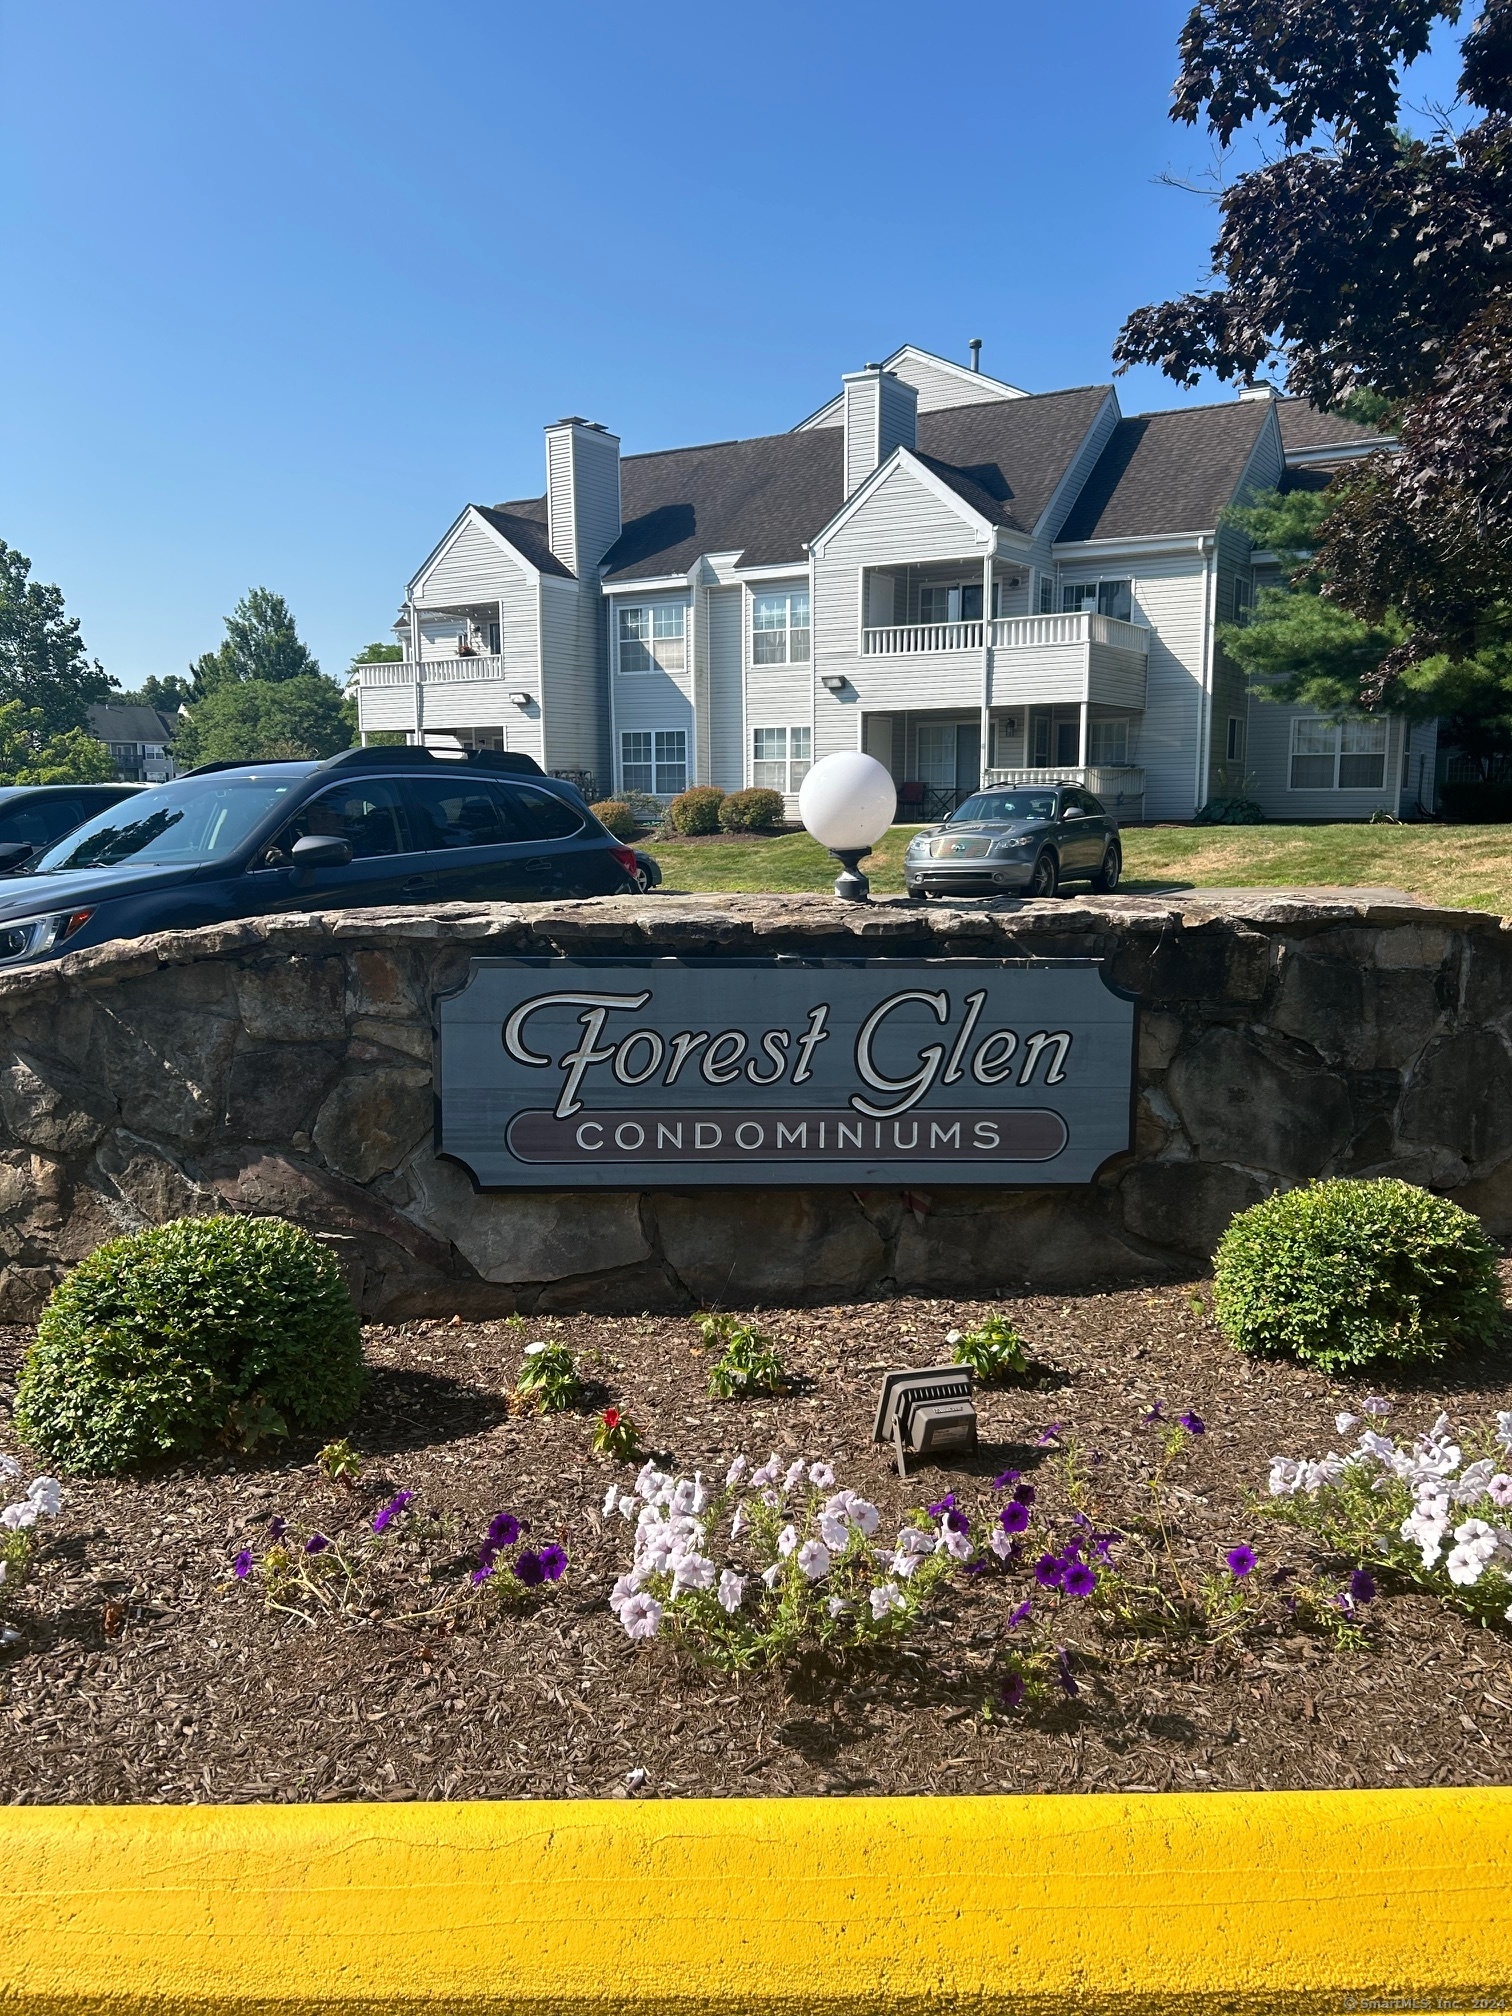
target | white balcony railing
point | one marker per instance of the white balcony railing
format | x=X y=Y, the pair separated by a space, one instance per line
x=918 y=637
x=1083 y=626
x=1006 y=633
x=430 y=671
x=1115 y=783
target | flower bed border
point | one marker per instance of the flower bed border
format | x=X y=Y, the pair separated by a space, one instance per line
x=1190 y=1902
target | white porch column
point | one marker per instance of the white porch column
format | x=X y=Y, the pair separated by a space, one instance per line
x=986 y=730
x=1081 y=746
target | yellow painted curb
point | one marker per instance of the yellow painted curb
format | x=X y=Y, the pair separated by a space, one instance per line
x=1241 y=1902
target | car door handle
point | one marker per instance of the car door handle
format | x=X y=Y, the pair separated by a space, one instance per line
x=541 y=864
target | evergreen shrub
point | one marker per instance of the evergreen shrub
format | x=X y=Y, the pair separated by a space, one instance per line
x=754 y=811
x=696 y=811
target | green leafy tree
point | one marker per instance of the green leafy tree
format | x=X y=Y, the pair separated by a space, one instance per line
x=166 y=695
x=260 y=720
x=261 y=644
x=377 y=654
x=30 y=754
x=1363 y=257
x=43 y=664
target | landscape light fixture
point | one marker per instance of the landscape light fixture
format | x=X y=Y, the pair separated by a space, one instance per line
x=847 y=802
x=926 y=1413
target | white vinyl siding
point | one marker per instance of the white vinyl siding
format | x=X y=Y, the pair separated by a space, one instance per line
x=724 y=704
x=574 y=693
x=1278 y=734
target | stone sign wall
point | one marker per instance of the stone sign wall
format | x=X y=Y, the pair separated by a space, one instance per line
x=285 y=1066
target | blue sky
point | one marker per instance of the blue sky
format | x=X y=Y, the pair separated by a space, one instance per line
x=294 y=282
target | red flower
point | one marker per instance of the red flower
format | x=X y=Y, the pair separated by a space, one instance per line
x=611 y=1417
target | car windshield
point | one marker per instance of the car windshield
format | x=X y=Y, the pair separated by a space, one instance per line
x=989 y=807
x=193 y=819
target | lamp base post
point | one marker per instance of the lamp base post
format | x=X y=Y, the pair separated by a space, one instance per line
x=851 y=886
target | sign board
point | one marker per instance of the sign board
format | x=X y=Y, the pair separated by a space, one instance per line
x=629 y=1073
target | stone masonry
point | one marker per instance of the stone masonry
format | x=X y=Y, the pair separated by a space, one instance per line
x=284 y=1066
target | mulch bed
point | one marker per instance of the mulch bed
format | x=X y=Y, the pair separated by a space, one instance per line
x=144 y=1672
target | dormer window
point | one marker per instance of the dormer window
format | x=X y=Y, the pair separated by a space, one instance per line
x=653 y=639
x=780 y=633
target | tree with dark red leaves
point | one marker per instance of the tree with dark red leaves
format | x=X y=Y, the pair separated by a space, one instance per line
x=1363 y=259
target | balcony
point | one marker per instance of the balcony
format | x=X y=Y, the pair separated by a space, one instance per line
x=429 y=671
x=1008 y=633
x=1120 y=786
x=914 y=639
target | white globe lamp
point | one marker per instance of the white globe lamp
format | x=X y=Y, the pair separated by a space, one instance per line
x=848 y=801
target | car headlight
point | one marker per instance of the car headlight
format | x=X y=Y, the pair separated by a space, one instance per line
x=1012 y=844
x=30 y=937
x=919 y=844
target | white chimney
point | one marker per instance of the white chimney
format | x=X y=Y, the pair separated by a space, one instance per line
x=1258 y=388
x=881 y=414
x=582 y=492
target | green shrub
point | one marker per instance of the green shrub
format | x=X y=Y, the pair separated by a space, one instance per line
x=696 y=811
x=618 y=817
x=205 y=1330
x=646 y=811
x=755 y=811
x=994 y=1350
x=749 y=1364
x=1345 y=1272
x=548 y=1379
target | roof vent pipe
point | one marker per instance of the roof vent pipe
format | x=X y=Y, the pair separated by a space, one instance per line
x=975 y=346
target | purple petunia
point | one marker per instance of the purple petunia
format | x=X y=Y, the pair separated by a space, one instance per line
x=392 y=1510
x=946 y=1504
x=1241 y=1561
x=1104 y=1543
x=241 y=1567
x=316 y=1544
x=958 y=1522
x=1006 y=1479
x=553 y=1561
x=1014 y=1517
x=277 y=1528
x=503 y=1530
x=1020 y=1616
x=1047 y=1435
x=530 y=1569
x=1362 y=1586
x=1050 y=1571
x=1011 y=1693
x=1024 y=1495
x=1156 y=1413
x=1080 y=1580
x=483 y=1570
x=1193 y=1423
x=1063 y=1662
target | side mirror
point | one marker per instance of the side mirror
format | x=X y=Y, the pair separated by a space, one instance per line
x=321 y=850
x=1071 y=812
x=14 y=854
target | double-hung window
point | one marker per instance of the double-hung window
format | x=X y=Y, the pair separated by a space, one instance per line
x=780 y=628
x=780 y=757
x=653 y=639
x=1338 y=755
x=1108 y=742
x=654 y=760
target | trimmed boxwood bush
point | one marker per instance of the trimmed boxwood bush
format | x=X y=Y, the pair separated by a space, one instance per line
x=617 y=816
x=1351 y=1271
x=754 y=811
x=696 y=811
x=203 y=1331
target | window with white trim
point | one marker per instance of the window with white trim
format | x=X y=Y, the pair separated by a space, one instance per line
x=1108 y=742
x=1234 y=749
x=654 y=760
x=1338 y=755
x=1244 y=598
x=780 y=757
x=1103 y=598
x=653 y=639
x=780 y=633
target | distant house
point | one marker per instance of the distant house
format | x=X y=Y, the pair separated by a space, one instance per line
x=970 y=582
x=140 y=741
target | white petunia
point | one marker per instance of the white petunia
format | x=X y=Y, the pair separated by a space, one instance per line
x=628 y=1508
x=731 y=1589
x=1478 y=1537
x=837 y=1606
x=1373 y=1403
x=953 y=1336
x=957 y=1545
x=19 y=1516
x=1344 y=1422
x=1465 y=1566
x=1000 y=1544
x=534 y=1350
x=649 y=1482
x=833 y=1531
x=856 y=1510
x=769 y=1472
x=1472 y=1480
x=787 y=1540
x=1499 y=1490
x=9 y=1467
x=1285 y=1476
x=821 y=1476
x=693 y=1571
x=794 y=1474
x=640 y=1615
x=770 y=1575
x=611 y=1499
x=621 y=1593
x=736 y=1471
x=771 y=1498
x=886 y=1598
x=814 y=1560
x=1504 y=1429
x=739 y=1523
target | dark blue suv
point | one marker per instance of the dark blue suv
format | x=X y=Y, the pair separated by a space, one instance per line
x=370 y=826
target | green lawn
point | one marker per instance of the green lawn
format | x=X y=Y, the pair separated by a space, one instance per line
x=1465 y=866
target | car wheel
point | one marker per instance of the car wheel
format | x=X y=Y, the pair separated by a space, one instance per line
x=917 y=895
x=1105 y=881
x=1042 y=882
x=643 y=880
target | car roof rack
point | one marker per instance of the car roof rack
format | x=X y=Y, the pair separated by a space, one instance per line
x=386 y=756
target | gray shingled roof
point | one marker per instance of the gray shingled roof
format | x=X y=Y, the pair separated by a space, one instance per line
x=1006 y=458
x=129 y=724
x=1167 y=472
x=1304 y=426
x=524 y=526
